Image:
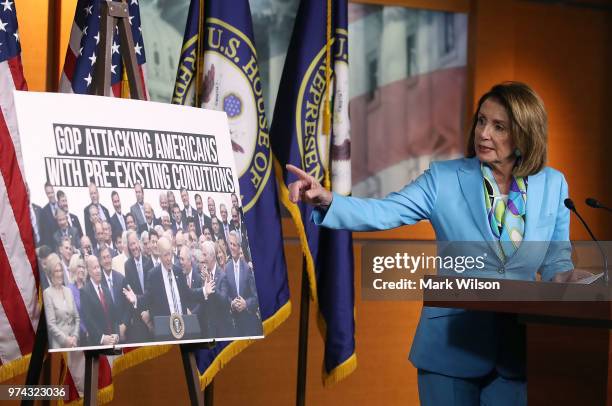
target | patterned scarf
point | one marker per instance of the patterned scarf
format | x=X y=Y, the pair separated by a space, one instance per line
x=507 y=220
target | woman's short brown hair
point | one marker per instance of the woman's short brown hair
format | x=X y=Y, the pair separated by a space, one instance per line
x=528 y=124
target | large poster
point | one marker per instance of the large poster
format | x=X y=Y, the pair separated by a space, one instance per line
x=138 y=222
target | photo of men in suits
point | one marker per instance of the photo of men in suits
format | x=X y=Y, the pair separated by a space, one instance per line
x=63 y=230
x=98 y=311
x=166 y=290
x=163 y=201
x=130 y=222
x=150 y=221
x=137 y=269
x=225 y=225
x=188 y=211
x=48 y=222
x=217 y=231
x=216 y=316
x=73 y=220
x=166 y=221
x=240 y=227
x=100 y=241
x=137 y=208
x=137 y=266
x=200 y=217
x=108 y=235
x=102 y=212
x=117 y=220
x=241 y=291
x=178 y=223
x=139 y=274
x=212 y=210
x=115 y=283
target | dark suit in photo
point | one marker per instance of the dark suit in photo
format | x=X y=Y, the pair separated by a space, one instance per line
x=154 y=298
x=74 y=222
x=138 y=214
x=216 y=316
x=195 y=283
x=199 y=222
x=148 y=227
x=183 y=226
x=242 y=231
x=71 y=232
x=247 y=322
x=220 y=236
x=189 y=213
x=121 y=304
x=137 y=331
x=98 y=319
x=47 y=225
x=132 y=276
x=225 y=228
x=117 y=226
x=96 y=250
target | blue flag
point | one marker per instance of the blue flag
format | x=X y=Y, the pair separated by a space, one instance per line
x=296 y=136
x=230 y=82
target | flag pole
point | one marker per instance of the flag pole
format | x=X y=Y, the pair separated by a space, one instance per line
x=209 y=389
x=300 y=396
x=53 y=39
x=37 y=358
x=199 y=68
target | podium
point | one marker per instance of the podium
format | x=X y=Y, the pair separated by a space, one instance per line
x=568 y=343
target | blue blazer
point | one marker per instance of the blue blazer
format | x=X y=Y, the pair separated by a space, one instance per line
x=450 y=195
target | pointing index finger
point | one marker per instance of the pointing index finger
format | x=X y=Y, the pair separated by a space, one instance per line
x=297 y=171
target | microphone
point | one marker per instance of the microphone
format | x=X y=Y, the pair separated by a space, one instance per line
x=596 y=204
x=570 y=205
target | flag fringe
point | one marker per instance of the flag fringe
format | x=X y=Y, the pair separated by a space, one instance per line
x=293 y=209
x=347 y=367
x=105 y=395
x=14 y=368
x=343 y=369
x=123 y=362
x=233 y=349
x=340 y=372
x=137 y=356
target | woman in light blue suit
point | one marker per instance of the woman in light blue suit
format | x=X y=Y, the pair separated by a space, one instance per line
x=501 y=192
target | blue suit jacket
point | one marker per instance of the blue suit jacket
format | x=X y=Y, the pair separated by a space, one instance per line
x=247 y=322
x=456 y=342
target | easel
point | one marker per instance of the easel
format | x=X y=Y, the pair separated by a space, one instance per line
x=37 y=358
x=112 y=14
x=300 y=392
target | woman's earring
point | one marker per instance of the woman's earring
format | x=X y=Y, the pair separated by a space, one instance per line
x=517 y=153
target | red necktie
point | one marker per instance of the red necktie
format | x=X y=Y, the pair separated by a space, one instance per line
x=105 y=308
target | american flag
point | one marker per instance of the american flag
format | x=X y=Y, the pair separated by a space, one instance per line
x=77 y=76
x=19 y=309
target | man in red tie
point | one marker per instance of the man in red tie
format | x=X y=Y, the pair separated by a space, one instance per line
x=97 y=309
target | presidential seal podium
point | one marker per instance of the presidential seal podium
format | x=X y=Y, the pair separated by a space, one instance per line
x=568 y=341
